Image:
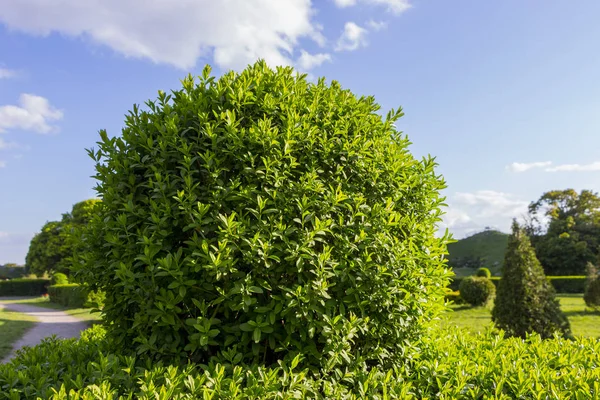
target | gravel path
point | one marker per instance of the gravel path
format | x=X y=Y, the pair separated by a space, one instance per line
x=50 y=322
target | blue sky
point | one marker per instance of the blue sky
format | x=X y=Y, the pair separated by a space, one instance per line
x=505 y=94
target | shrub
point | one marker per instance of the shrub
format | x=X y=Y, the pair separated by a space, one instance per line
x=95 y=299
x=268 y=216
x=58 y=278
x=592 y=287
x=526 y=300
x=477 y=291
x=452 y=365
x=69 y=295
x=24 y=287
x=484 y=273
x=454 y=297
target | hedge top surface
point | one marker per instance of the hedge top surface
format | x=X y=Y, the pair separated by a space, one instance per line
x=259 y=216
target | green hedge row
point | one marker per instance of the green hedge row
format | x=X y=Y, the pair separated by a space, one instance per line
x=562 y=284
x=75 y=296
x=453 y=364
x=68 y=295
x=24 y=287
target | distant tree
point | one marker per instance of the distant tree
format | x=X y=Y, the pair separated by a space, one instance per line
x=525 y=300
x=564 y=227
x=12 y=270
x=51 y=249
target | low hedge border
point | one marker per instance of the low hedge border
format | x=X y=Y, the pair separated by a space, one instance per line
x=24 y=287
x=562 y=284
x=68 y=295
x=75 y=296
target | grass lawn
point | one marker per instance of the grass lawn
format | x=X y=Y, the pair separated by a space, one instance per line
x=84 y=314
x=584 y=322
x=12 y=326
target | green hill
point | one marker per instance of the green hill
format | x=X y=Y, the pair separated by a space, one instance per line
x=483 y=249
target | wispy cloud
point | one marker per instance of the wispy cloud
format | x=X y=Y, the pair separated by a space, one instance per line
x=547 y=166
x=34 y=113
x=595 y=166
x=376 y=25
x=6 y=73
x=4 y=145
x=393 y=6
x=522 y=167
x=353 y=37
x=470 y=212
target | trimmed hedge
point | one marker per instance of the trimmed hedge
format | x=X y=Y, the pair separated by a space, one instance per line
x=76 y=296
x=69 y=295
x=568 y=284
x=24 y=287
x=453 y=365
x=562 y=284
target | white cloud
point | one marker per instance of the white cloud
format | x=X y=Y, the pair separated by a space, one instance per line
x=7 y=73
x=393 y=6
x=2 y=165
x=471 y=212
x=595 y=166
x=344 y=3
x=353 y=37
x=310 y=61
x=376 y=25
x=522 y=167
x=176 y=32
x=34 y=113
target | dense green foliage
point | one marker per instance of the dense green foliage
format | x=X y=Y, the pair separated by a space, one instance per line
x=484 y=273
x=565 y=230
x=12 y=271
x=483 y=249
x=68 y=295
x=592 y=287
x=477 y=291
x=260 y=216
x=51 y=250
x=24 y=287
x=58 y=278
x=525 y=301
x=451 y=366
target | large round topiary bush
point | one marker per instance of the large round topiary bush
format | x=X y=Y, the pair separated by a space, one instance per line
x=258 y=216
x=477 y=290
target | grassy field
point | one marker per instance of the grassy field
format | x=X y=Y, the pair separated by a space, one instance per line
x=12 y=326
x=584 y=322
x=84 y=314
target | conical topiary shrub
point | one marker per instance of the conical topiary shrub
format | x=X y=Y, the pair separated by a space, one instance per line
x=525 y=300
x=591 y=295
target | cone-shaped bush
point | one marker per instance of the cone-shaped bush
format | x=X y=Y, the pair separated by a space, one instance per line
x=525 y=300
x=258 y=216
x=591 y=295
